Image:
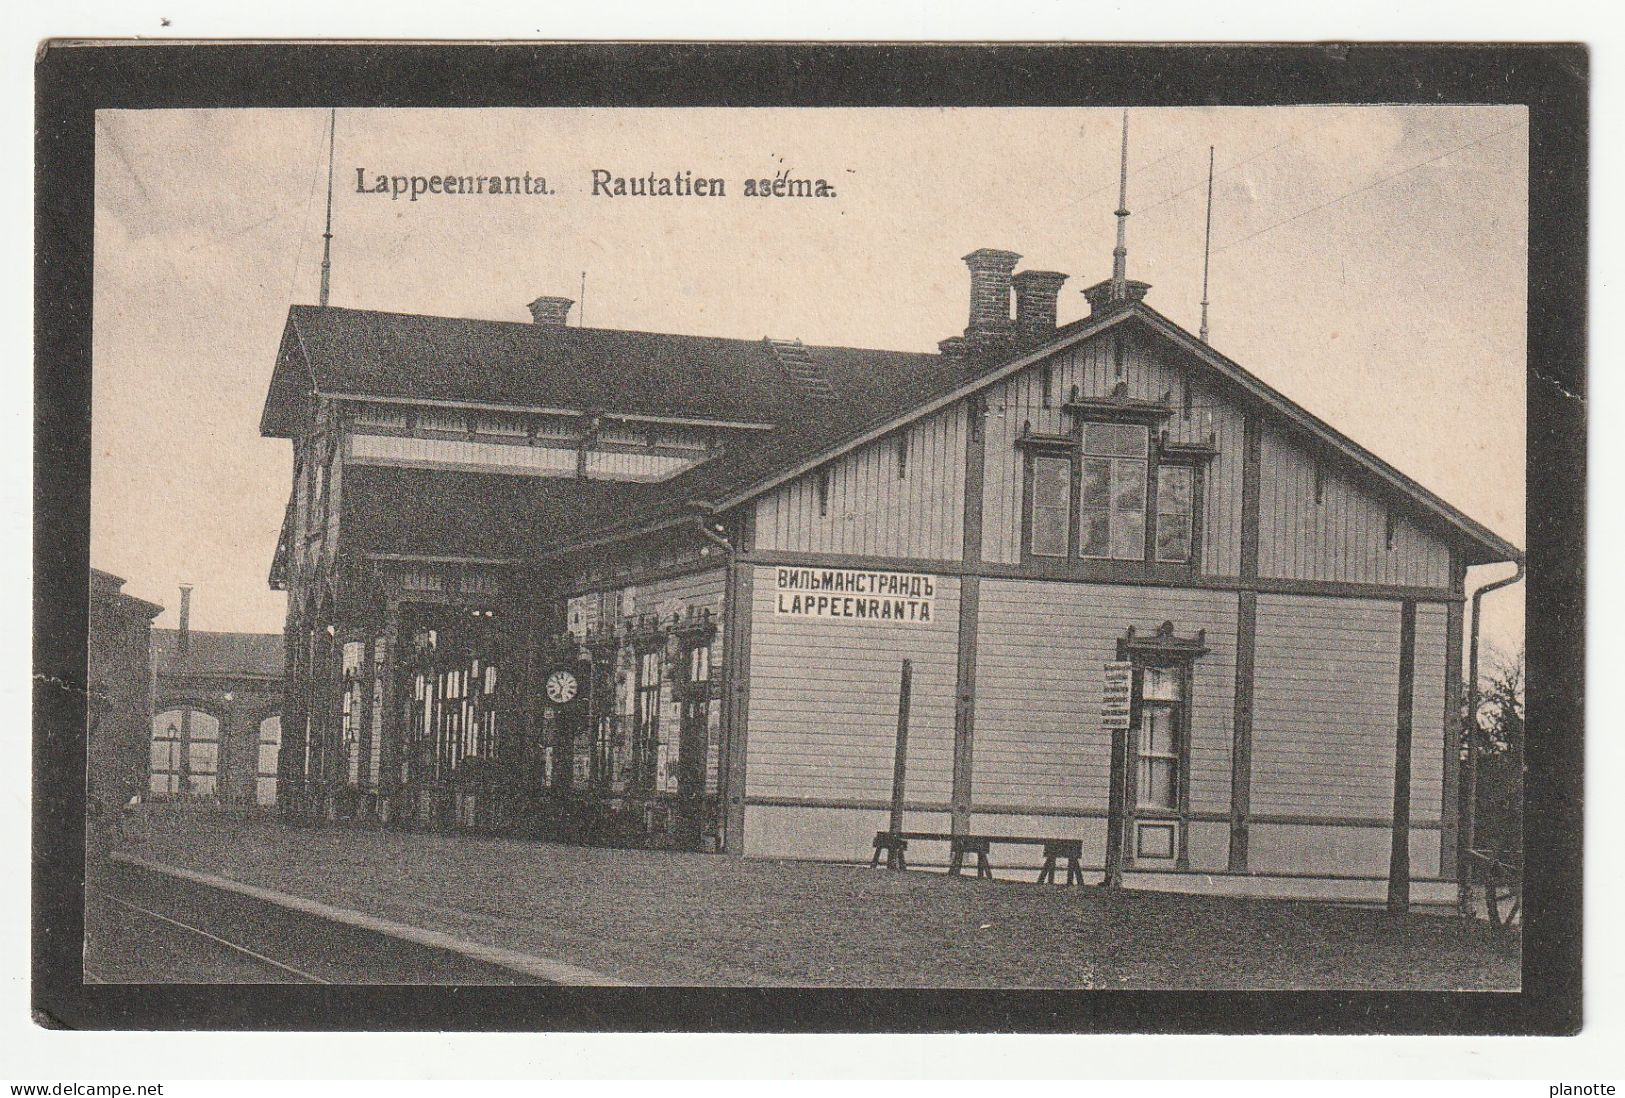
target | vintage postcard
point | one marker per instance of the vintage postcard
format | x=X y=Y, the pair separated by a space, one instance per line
x=1072 y=547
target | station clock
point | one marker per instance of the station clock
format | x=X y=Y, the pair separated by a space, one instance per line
x=562 y=686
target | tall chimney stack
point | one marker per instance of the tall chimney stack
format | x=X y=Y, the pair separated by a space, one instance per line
x=551 y=312
x=990 y=290
x=1036 y=293
x=183 y=644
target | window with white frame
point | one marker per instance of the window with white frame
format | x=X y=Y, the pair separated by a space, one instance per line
x=1051 y=519
x=1111 y=509
x=1161 y=729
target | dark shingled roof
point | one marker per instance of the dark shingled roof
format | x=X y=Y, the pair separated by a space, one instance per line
x=436 y=513
x=349 y=352
x=361 y=353
x=213 y=653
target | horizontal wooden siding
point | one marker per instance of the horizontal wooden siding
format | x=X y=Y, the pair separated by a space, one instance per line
x=823 y=701
x=1039 y=676
x=1325 y=699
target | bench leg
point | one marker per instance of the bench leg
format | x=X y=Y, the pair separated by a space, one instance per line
x=1074 y=872
x=901 y=863
x=1047 y=874
x=874 y=862
x=955 y=863
x=982 y=868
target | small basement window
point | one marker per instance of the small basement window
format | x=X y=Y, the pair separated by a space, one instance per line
x=902 y=455
x=823 y=492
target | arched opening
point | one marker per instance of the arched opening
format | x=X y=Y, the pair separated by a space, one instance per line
x=270 y=744
x=185 y=757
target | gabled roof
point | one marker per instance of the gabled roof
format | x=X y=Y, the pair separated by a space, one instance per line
x=363 y=354
x=106 y=587
x=371 y=355
x=213 y=653
x=774 y=461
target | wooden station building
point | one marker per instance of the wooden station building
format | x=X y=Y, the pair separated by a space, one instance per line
x=631 y=587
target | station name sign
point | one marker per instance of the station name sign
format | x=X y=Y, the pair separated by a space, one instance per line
x=1117 y=695
x=854 y=594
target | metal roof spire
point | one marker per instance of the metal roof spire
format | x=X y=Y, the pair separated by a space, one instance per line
x=1120 y=253
x=1207 y=241
x=327 y=234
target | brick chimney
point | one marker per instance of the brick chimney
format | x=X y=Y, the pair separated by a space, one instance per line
x=1036 y=293
x=183 y=642
x=990 y=291
x=551 y=312
x=1102 y=302
x=990 y=328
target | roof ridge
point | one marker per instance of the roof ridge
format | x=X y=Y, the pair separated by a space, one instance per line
x=529 y=325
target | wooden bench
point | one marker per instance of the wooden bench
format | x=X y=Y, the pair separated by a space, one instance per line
x=894 y=843
x=896 y=847
x=961 y=845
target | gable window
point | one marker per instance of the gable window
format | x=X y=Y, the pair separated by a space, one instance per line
x=1175 y=512
x=1050 y=522
x=1111 y=511
x=1114 y=494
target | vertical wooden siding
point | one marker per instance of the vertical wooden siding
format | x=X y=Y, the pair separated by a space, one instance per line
x=1342 y=538
x=1325 y=691
x=871 y=510
x=1019 y=401
x=1427 y=709
x=823 y=701
x=1039 y=677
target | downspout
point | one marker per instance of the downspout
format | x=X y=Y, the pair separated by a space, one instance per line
x=1470 y=779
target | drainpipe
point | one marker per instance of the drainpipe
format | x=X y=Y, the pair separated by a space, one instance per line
x=1470 y=779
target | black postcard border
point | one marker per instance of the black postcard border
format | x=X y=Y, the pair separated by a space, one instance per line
x=75 y=79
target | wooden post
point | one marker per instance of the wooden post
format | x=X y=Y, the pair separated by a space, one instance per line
x=1399 y=860
x=900 y=762
x=1116 y=810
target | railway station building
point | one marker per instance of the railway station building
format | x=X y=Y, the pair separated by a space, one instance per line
x=638 y=588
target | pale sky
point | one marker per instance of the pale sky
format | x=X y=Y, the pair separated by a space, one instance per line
x=1368 y=262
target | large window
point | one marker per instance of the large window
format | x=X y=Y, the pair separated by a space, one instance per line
x=185 y=754
x=454 y=712
x=350 y=711
x=1052 y=505
x=1111 y=515
x=269 y=746
x=1135 y=499
x=648 y=746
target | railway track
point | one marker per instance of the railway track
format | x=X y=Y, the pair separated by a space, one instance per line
x=146 y=927
x=166 y=922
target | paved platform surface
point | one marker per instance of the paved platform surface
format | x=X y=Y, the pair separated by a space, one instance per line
x=653 y=917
